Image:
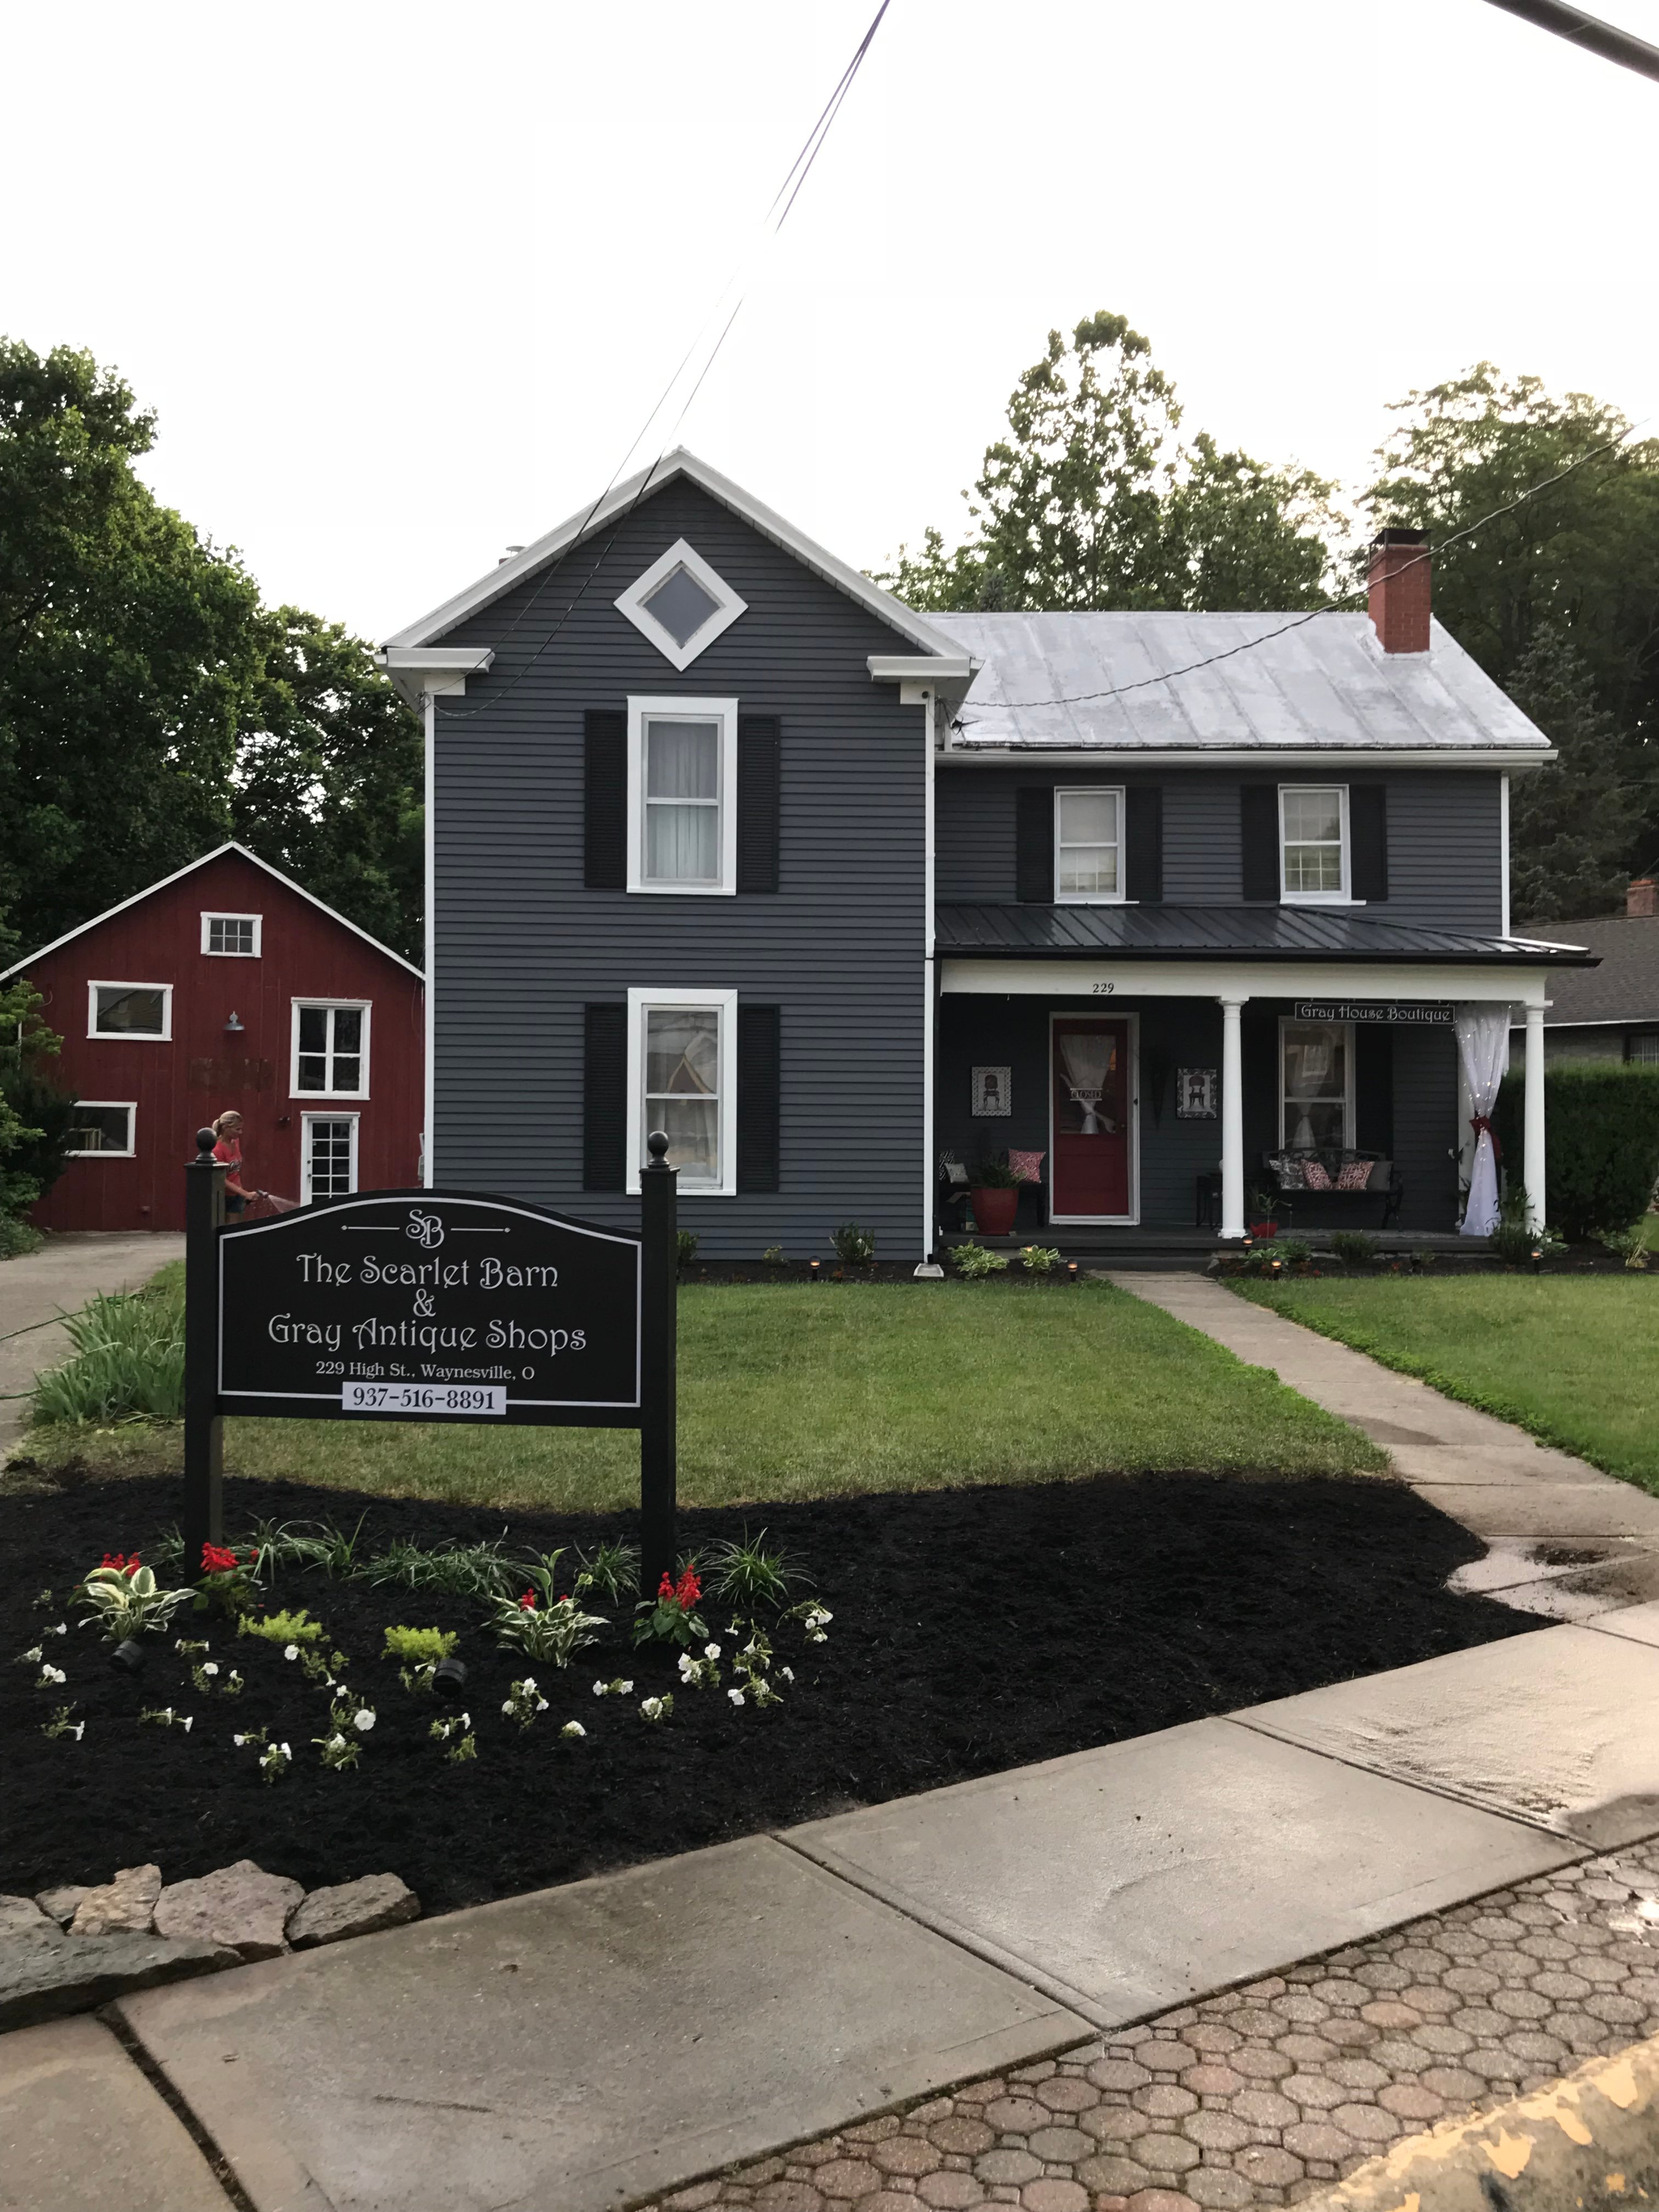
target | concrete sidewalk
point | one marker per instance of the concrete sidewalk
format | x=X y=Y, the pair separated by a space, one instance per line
x=59 y=1279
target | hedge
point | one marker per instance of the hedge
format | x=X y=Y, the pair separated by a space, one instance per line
x=1602 y=1141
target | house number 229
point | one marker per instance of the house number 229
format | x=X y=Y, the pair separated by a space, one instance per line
x=1102 y=990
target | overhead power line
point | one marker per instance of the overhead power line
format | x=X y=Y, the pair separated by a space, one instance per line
x=1589 y=32
x=1328 y=607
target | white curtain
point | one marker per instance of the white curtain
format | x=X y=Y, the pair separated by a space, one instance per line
x=1088 y=1057
x=1483 y=1043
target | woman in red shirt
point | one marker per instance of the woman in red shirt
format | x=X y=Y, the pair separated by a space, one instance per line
x=228 y=1131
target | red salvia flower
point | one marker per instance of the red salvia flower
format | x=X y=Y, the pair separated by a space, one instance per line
x=216 y=1559
x=666 y=1587
x=527 y=1603
x=690 y=1589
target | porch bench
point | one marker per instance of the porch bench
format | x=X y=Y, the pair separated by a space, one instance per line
x=1286 y=1170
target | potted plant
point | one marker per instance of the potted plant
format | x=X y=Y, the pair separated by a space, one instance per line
x=994 y=1188
x=1261 y=1221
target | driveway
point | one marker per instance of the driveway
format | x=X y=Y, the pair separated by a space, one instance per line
x=59 y=1279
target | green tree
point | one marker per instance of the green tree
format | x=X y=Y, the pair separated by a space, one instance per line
x=1570 y=824
x=126 y=646
x=1089 y=502
x=327 y=782
x=35 y=1113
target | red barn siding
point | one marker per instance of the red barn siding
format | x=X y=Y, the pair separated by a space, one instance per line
x=180 y=1085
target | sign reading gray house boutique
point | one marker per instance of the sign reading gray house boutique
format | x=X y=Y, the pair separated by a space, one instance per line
x=1418 y=1013
x=430 y=1305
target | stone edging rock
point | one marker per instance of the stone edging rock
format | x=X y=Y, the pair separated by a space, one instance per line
x=71 y=1949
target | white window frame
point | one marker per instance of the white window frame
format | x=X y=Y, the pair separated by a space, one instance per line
x=1091 y=791
x=360 y=1006
x=163 y=1035
x=104 y=1152
x=1292 y=1022
x=728 y=606
x=724 y=1004
x=1343 y=897
x=306 y=1121
x=208 y=920
x=641 y=710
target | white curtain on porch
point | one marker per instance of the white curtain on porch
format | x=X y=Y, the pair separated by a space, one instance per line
x=1483 y=1041
x=1088 y=1060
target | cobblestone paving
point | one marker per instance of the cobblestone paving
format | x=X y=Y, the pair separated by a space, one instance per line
x=1270 y=2093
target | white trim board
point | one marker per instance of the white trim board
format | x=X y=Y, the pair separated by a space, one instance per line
x=189 y=867
x=1235 y=979
x=968 y=755
x=617 y=501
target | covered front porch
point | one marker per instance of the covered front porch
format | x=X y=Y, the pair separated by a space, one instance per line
x=1155 y=1101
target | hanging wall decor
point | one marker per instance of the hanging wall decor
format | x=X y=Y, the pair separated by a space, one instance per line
x=993 y=1092
x=1196 y=1091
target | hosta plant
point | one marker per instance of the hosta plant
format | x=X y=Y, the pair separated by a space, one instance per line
x=973 y=1262
x=553 y=1631
x=126 y=1601
x=673 y=1617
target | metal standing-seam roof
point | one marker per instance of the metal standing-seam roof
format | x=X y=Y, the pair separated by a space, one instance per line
x=1248 y=933
x=1297 y=682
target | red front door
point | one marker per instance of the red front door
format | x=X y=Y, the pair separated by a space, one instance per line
x=1091 y=1108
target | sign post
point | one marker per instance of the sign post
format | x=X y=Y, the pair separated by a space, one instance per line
x=432 y=1305
x=204 y=1214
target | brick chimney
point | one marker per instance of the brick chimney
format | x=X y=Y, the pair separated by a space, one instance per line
x=1399 y=579
x=1642 y=899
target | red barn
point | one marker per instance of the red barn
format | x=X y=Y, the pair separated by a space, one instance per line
x=227 y=986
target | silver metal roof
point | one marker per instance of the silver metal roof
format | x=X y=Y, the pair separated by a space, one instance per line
x=1297 y=683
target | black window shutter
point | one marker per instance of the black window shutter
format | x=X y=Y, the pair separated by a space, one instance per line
x=1367 y=835
x=1258 y=819
x=759 y=1078
x=1034 y=845
x=604 y=1100
x=759 y=754
x=604 y=806
x=1143 y=854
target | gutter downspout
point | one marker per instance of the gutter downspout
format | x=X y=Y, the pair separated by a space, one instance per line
x=930 y=998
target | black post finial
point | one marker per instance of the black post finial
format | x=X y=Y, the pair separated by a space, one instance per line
x=657 y=1145
x=205 y=1141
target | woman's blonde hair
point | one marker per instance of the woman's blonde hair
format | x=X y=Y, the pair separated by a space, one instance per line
x=230 y=1114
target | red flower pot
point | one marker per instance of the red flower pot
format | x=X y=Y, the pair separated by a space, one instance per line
x=1267 y=1230
x=994 y=1211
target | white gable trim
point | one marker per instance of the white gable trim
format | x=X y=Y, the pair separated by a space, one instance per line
x=748 y=510
x=189 y=869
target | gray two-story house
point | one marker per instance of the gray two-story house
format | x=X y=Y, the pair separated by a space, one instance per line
x=723 y=839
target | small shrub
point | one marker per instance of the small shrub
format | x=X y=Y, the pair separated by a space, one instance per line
x=1294 y=1251
x=685 y=1248
x=18 y=1237
x=973 y=1262
x=747 y=1574
x=1602 y=1140
x=773 y=1255
x=1355 y=1248
x=1632 y=1244
x=419 y=1647
x=1422 y=1258
x=1040 y=1259
x=284 y=1628
x=854 y=1247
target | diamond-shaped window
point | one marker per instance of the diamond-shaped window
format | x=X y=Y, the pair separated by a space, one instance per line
x=681 y=605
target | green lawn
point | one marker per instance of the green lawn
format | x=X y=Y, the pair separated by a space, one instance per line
x=1573 y=1358
x=797 y=1390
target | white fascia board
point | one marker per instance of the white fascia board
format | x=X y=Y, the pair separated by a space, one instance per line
x=1254 y=757
x=1236 y=978
x=931 y=668
x=189 y=867
x=435 y=668
x=617 y=501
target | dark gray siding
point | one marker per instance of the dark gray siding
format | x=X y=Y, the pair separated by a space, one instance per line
x=521 y=945
x=1445 y=864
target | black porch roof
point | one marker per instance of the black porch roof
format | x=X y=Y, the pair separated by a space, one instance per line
x=1223 y=933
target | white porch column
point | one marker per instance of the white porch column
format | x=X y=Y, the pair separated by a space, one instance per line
x=1532 y=1137
x=1232 y=1119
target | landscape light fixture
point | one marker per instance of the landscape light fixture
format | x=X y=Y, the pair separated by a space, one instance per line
x=1537 y=1254
x=814 y=1271
x=449 y=1681
x=129 y=1656
x=1071 y=1271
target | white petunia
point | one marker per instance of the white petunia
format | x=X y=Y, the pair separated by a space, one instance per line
x=291 y=1651
x=337 y=1742
x=687 y=1662
x=363 y=1719
x=80 y=1730
x=210 y=1666
x=528 y=1683
x=711 y=1651
x=60 y=1628
x=736 y=1695
x=651 y=1708
x=624 y=1689
x=238 y=1740
x=188 y=1722
x=31 y=1657
x=52 y=1674
x=286 y=1752
x=787 y=1673
x=507 y=1704
x=599 y=1689
x=573 y=1728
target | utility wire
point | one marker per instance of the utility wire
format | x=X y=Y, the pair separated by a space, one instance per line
x=1330 y=606
x=1589 y=32
x=776 y=216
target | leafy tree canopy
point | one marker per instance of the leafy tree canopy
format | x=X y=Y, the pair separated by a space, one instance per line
x=1089 y=501
x=149 y=706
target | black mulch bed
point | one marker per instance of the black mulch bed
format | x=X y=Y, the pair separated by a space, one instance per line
x=973 y=1630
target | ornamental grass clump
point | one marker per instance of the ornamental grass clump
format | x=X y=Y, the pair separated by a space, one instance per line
x=125 y=1599
x=671 y=1617
x=128 y=1359
x=612 y=1572
x=747 y=1574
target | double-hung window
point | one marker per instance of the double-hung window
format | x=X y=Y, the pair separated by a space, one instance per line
x=1313 y=842
x=331 y=1049
x=1316 y=1084
x=682 y=1080
x=130 y=1010
x=1089 y=844
x=682 y=790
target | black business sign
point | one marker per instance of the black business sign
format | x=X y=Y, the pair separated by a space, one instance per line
x=430 y=1305
x=1415 y=1013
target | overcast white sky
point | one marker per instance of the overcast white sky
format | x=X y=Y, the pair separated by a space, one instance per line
x=402 y=281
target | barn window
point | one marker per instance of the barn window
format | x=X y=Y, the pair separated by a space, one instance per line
x=130 y=1010
x=331 y=1049
x=231 y=936
x=100 y=1129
